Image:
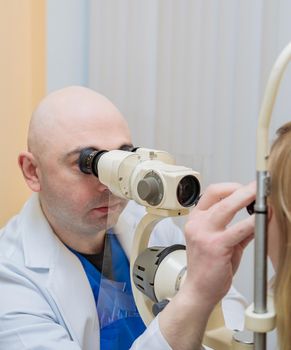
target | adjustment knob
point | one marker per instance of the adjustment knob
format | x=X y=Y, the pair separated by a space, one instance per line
x=150 y=189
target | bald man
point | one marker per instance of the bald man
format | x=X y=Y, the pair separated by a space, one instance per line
x=61 y=260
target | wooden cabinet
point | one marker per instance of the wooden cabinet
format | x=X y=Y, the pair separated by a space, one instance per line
x=22 y=85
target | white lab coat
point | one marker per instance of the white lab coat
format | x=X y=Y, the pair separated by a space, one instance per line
x=46 y=300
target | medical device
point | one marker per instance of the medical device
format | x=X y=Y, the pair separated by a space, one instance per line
x=151 y=178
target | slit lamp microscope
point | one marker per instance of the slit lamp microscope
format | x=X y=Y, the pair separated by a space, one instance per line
x=152 y=179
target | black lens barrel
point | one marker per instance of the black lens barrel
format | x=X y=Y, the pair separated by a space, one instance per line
x=88 y=160
x=188 y=190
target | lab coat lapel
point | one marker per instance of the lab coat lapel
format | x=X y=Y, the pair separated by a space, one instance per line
x=71 y=290
x=67 y=282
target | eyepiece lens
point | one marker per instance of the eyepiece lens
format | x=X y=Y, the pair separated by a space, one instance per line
x=188 y=190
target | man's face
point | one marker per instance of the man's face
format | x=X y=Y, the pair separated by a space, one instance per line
x=74 y=201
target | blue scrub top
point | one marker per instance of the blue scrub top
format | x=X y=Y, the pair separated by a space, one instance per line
x=120 y=322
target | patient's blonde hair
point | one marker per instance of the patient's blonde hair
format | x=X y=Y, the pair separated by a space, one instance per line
x=280 y=198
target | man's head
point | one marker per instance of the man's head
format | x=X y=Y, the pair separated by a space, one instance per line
x=64 y=123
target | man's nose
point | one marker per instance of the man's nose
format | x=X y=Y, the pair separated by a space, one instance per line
x=101 y=187
x=96 y=184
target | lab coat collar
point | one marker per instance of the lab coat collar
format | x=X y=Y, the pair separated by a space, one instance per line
x=37 y=236
x=77 y=304
x=67 y=281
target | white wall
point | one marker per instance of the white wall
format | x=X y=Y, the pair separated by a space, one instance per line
x=189 y=77
x=67 y=43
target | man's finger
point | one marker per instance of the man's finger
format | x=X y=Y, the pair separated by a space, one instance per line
x=240 y=232
x=224 y=211
x=215 y=193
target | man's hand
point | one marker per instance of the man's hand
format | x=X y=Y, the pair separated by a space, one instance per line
x=214 y=249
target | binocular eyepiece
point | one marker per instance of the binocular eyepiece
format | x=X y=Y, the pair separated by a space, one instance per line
x=151 y=186
x=155 y=177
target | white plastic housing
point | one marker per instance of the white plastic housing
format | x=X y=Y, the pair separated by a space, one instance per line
x=115 y=169
x=170 y=275
x=121 y=172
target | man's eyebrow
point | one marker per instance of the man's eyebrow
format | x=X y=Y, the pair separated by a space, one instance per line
x=78 y=150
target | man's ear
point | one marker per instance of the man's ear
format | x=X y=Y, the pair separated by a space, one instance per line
x=29 y=168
